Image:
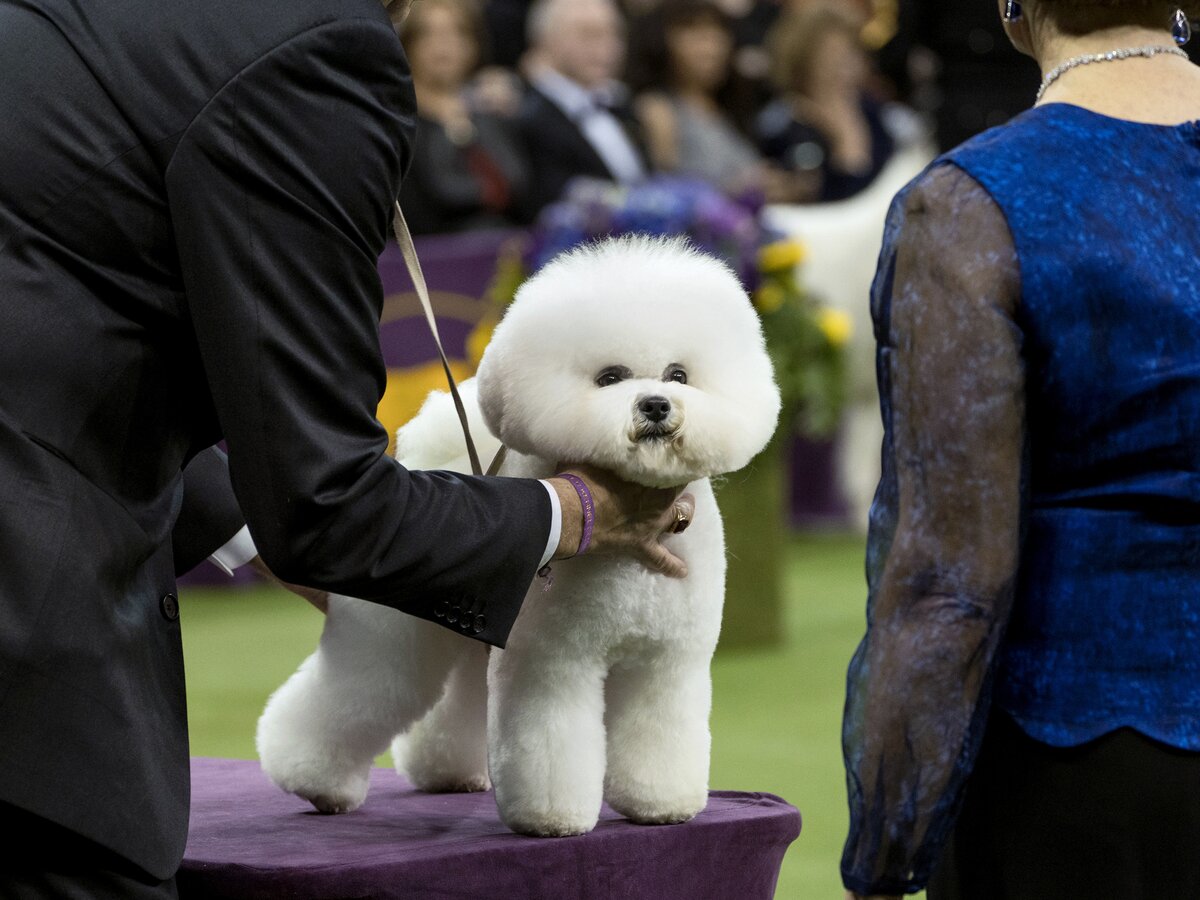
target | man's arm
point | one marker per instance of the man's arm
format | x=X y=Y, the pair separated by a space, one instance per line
x=280 y=194
x=210 y=517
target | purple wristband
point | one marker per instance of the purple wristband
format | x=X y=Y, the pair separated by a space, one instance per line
x=589 y=511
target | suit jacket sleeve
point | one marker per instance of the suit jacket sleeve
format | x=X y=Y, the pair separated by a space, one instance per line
x=210 y=514
x=280 y=194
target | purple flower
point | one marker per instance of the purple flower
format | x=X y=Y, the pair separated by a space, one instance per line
x=664 y=205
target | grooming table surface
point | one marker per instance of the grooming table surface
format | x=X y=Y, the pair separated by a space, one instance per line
x=248 y=839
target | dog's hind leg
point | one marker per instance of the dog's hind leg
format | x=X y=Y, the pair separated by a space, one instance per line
x=447 y=750
x=375 y=672
x=658 y=738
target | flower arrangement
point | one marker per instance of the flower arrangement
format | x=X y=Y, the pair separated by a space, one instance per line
x=806 y=341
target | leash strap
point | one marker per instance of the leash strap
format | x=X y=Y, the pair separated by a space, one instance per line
x=409 y=252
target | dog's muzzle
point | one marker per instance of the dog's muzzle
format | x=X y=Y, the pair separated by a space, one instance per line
x=654 y=419
x=654 y=409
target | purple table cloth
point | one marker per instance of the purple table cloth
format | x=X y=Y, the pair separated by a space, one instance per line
x=250 y=840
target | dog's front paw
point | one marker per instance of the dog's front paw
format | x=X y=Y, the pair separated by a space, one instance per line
x=662 y=816
x=659 y=810
x=549 y=823
x=528 y=804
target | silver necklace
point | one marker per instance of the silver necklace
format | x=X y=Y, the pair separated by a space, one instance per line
x=1126 y=53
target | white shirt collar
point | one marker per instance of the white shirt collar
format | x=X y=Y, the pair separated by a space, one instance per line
x=570 y=96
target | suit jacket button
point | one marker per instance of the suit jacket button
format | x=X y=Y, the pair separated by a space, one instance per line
x=479 y=624
x=452 y=615
x=439 y=609
x=170 y=607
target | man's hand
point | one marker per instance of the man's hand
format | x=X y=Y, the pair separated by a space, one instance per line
x=319 y=599
x=629 y=518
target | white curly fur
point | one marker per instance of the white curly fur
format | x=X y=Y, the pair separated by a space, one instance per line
x=604 y=688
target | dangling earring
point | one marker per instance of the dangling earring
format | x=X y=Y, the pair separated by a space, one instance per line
x=1181 y=28
x=1013 y=12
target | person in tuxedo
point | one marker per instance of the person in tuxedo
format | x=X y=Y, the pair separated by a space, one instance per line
x=193 y=198
x=575 y=117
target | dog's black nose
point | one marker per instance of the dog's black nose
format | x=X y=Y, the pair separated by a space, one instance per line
x=655 y=408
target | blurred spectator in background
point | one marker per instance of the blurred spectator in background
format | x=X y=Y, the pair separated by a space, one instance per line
x=469 y=169
x=681 y=64
x=575 y=118
x=824 y=128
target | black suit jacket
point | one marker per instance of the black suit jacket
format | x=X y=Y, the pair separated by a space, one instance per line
x=558 y=151
x=193 y=197
x=209 y=515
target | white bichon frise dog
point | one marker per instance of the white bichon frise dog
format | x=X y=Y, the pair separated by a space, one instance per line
x=641 y=356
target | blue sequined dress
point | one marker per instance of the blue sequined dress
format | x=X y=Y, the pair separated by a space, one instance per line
x=1035 y=539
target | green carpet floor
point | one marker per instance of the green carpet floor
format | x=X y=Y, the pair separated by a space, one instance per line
x=776 y=713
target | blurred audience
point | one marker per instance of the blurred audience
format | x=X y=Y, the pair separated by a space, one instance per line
x=469 y=169
x=825 y=127
x=682 y=65
x=575 y=117
x=778 y=100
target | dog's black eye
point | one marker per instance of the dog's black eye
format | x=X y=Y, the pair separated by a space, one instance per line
x=675 y=373
x=612 y=375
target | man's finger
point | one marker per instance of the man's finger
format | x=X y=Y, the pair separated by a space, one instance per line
x=683 y=518
x=679 y=516
x=662 y=560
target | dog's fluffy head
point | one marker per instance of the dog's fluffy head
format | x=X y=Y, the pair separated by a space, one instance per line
x=640 y=355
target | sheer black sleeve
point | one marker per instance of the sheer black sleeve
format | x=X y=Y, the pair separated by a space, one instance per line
x=945 y=527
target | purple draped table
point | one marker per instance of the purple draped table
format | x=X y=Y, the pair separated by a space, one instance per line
x=248 y=839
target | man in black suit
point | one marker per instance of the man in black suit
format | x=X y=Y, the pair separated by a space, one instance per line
x=575 y=118
x=193 y=197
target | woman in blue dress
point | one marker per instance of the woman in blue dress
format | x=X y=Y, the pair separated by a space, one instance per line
x=1023 y=714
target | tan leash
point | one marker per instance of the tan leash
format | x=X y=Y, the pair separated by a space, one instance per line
x=409 y=252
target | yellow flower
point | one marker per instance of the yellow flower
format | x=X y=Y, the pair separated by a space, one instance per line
x=781 y=256
x=837 y=326
x=769 y=297
x=478 y=339
x=510 y=272
x=408 y=388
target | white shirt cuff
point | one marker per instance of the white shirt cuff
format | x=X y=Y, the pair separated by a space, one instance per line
x=239 y=550
x=555 y=524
